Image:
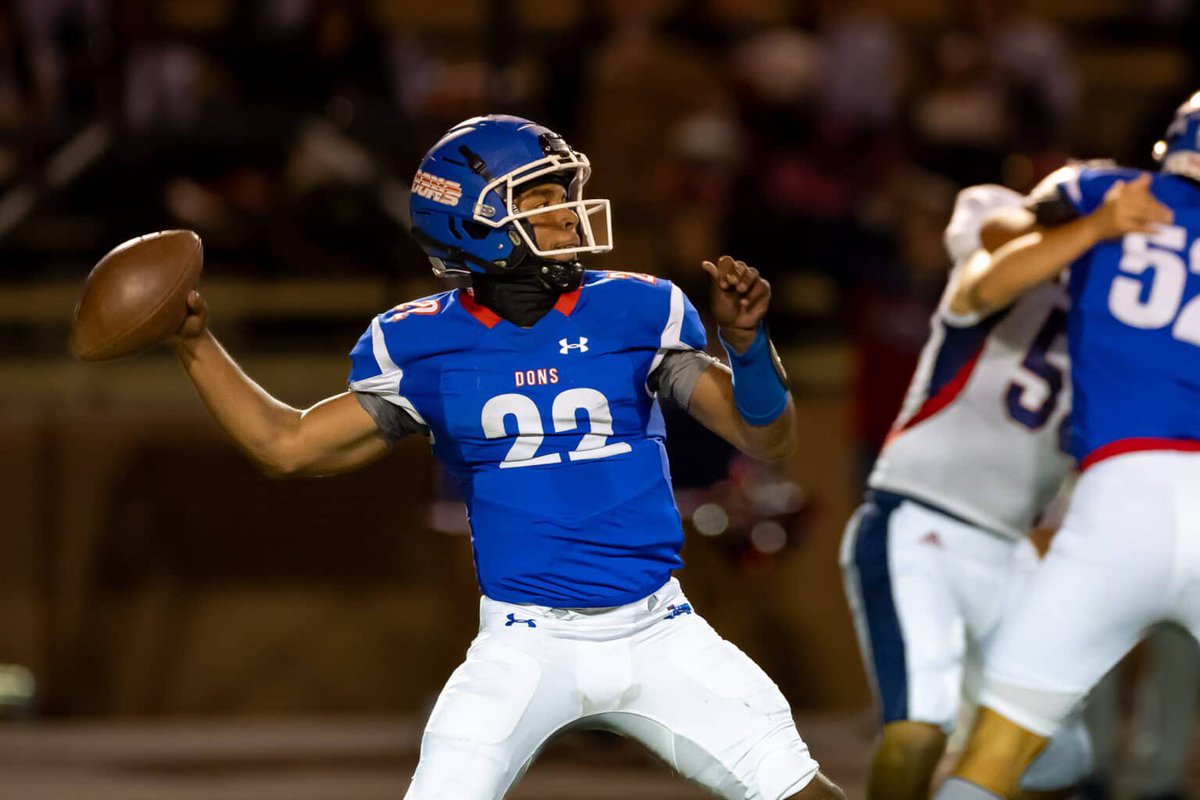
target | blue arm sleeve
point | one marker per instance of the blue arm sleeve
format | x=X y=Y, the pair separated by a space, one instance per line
x=759 y=383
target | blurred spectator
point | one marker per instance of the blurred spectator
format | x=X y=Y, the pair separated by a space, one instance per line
x=642 y=86
x=165 y=86
x=808 y=174
x=1034 y=58
x=706 y=151
x=16 y=78
x=68 y=41
x=346 y=56
x=864 y=69
x=960 y=120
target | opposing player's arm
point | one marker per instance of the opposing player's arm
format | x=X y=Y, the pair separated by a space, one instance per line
x=991 y=281
x=985 y=218
x=749 y=406
x=1004 y=225
x=332 y=436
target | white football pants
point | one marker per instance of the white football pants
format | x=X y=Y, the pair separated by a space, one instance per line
x=651 y=670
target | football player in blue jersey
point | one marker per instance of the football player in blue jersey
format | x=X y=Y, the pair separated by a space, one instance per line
x=538 y=388
x=1128 y=552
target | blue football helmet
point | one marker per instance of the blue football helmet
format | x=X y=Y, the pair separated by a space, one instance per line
x=1179 y=150
x=463 y=202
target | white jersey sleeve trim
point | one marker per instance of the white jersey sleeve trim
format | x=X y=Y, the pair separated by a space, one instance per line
x=379 y=347
x=671 y=335
x=956 y=320
x=387 y=382
x=1071 y=185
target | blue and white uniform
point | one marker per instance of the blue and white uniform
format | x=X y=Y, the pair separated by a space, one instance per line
x=938 y=553
x=1128 y=553
x=555 y=435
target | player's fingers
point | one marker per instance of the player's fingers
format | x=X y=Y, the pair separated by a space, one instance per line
x=737 y=270
x=1147 y=215
x=726 y=267
x=748 y=279
x=196 y=302
x=710 y=268
x=761 y=290
x=1152 y=211
x=1141 y=199
x=1160 y=213
x=1141 y=183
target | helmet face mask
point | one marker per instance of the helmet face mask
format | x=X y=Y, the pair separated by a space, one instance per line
x=464 y=201
x=510 y=186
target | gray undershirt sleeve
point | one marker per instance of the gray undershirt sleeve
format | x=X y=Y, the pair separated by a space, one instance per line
x=676 y=375
x=394 y=422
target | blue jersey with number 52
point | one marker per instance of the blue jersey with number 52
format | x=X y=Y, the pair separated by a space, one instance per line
x=550 y=430
x=1134 y=326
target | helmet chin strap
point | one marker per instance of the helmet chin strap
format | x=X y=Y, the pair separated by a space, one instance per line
x=555 y=276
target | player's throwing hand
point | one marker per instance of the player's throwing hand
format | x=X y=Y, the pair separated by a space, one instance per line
x=196 y=321
x=739 y=299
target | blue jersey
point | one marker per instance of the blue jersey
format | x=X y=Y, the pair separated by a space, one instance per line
x=1134 y=326
x=551 y=431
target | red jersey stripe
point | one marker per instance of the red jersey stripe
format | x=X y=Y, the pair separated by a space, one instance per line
x=946 y=394
x=1138 y=444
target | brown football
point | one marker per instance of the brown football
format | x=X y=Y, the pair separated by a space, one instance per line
x=137 y=295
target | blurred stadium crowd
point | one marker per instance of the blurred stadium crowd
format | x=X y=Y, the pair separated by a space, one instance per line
x=821 y=140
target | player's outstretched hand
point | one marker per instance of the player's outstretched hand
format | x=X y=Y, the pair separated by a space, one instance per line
x=195 y=323
x=739 y=299
x=1130 y=207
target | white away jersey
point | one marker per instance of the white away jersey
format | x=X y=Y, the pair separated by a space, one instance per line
x=984 y=429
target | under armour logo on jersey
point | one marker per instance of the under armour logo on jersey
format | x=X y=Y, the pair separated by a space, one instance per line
x=565 y=345
x=512 y=620
x=932 y=538
x=678 y=611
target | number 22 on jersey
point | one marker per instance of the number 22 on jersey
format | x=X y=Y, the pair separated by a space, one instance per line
x=563 y=413
x=1162 y=304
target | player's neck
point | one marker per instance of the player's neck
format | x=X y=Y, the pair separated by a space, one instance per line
x=521 y=300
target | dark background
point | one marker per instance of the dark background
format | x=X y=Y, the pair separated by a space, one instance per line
x=147 y=570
